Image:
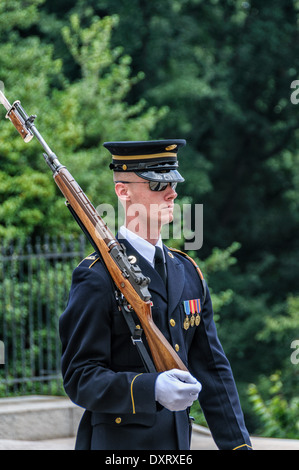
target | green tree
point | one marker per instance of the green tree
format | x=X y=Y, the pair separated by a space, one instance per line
x=277 y=417
x=75 y=118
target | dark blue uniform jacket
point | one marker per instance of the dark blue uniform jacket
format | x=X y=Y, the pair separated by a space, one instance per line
x=103 y=372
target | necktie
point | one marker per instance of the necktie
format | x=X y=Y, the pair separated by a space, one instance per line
x=159 y=263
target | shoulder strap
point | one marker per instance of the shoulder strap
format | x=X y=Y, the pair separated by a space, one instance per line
x=90 y=260
x=202 y=280
x=136 y=334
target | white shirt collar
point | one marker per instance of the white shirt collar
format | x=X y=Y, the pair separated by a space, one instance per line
x=146 y=249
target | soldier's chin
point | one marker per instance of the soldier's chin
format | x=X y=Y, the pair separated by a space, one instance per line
x=166 y=216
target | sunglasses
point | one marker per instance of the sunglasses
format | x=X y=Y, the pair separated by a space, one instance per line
x=153 y=185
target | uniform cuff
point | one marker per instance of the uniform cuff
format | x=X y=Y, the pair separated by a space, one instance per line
x=143 y=393
x=243 y=447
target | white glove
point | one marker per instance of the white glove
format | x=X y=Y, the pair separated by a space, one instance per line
x=176 y=389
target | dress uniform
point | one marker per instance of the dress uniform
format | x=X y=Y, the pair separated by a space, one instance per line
x=102 y=370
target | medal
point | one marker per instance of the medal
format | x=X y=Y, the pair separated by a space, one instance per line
x=191 y=308
x=187 y=312
x=186 y=323
x=198 y=309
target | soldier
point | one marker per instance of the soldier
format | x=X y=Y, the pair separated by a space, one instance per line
x=126 y=406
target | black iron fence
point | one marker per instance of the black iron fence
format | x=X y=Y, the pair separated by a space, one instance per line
x=34 y=284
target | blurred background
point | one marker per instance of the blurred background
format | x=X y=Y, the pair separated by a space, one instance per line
x=220 y=74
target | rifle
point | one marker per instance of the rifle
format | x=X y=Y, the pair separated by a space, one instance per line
x=128 y=278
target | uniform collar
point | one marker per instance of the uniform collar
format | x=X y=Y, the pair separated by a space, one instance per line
x=146 y=249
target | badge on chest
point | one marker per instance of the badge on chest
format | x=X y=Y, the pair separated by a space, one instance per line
x=192 y=310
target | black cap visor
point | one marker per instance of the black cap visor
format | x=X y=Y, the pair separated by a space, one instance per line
x=172 y=176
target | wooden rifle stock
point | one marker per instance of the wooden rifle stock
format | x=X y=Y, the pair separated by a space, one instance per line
x=127 y=278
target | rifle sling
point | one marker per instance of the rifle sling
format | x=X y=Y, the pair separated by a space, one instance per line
x=136 y=334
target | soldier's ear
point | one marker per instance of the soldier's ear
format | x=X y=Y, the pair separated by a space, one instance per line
x=121 y=190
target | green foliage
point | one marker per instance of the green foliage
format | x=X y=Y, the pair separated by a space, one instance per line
x=284 y=326
x=18 y=13
x=34 y=287
x=74 y=118
x=278 y=417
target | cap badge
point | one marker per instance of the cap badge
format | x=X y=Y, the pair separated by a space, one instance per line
x=171 y=147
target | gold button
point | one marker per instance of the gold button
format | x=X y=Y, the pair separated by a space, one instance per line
x=172 y=322
x=177 y=348
x=118 y=420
